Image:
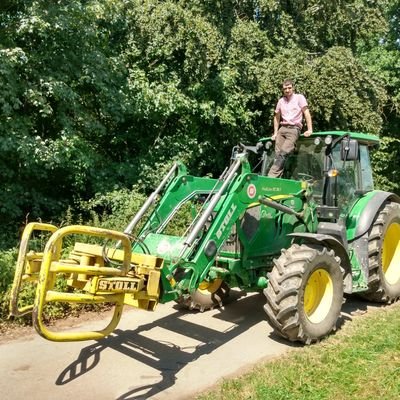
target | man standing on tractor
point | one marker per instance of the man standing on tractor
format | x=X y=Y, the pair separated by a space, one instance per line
x=287 y=125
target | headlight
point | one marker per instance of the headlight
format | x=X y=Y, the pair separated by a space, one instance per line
x=333 y=172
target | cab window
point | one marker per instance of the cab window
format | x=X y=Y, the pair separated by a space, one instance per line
x=347 y=181
x=367 y=183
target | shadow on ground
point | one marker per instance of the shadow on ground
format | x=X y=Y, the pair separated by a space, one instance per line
x=166 y=357
x=356 y=306
x=169 y=358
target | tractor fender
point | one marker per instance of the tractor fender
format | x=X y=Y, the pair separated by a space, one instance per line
x=366 y=216
x=334 y=244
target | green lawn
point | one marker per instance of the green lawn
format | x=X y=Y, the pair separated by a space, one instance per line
x=361 y=361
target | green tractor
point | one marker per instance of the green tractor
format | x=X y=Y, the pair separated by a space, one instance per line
x=305 y=239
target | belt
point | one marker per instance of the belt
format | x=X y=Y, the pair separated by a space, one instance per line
x=291 y=126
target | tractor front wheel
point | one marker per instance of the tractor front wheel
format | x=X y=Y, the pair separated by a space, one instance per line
x=209 y=294
x=305 y=293
x=384 y=255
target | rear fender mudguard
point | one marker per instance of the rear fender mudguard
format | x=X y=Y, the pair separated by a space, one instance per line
x=363 y=213
x=334 y=244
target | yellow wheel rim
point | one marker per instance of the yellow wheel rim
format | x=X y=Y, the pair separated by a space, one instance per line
x=391 y=254
x=318 y=296
x=206 y=287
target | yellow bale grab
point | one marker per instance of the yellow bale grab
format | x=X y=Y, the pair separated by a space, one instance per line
x=95 y=274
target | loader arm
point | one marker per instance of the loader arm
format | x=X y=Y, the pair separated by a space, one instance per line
x=155 y=265
x=194 y=254
x=246 y=193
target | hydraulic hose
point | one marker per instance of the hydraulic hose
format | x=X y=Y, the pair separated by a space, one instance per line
x=150 y=200
x=279 y=207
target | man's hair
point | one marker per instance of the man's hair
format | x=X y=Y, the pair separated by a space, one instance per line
x=288 y=82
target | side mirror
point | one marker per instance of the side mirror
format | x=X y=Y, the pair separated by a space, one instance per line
x=349 y=149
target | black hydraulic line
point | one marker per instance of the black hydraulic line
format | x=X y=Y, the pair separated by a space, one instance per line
x=150 y=200
x=279 y=207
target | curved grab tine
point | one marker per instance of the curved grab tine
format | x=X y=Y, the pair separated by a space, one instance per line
x=45 y=294
x=20 y=266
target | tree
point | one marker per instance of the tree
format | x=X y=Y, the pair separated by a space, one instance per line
x=100 y=95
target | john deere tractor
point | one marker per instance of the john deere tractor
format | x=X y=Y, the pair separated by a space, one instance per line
x=304 y=239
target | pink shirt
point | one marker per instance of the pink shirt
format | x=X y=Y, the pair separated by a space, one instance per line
x=292 y=110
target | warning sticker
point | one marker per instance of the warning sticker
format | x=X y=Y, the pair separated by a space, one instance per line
x=251 y=191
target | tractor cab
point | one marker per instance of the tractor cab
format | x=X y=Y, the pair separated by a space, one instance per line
x=336 y=164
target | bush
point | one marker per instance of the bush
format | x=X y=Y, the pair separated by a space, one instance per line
x=113 y=210
x=7 y=265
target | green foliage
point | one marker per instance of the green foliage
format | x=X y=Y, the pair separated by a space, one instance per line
x=350 y=98
x=387 y=165
x=113 y=210
x=8 y=259
x=316 y=26
x=100 y=95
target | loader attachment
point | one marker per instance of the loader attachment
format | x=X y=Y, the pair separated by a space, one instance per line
x=28 y=266
x=94 y=274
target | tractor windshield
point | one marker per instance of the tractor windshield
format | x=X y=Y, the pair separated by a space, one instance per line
x=307 y=163
x=311 y=161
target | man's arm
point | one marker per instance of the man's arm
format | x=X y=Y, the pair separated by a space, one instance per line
x=307 y=116
x=277 y=120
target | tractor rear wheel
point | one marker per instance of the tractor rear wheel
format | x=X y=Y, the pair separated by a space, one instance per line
x=305 y=293
x=210 y=294
x=384 y=255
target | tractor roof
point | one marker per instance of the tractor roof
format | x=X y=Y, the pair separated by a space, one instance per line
x=362 y=137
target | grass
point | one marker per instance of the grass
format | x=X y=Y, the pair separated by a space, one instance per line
x=361 y=361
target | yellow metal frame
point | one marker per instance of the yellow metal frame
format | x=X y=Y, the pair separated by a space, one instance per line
x=51 y=266
x=96 y=273
x=24 y=270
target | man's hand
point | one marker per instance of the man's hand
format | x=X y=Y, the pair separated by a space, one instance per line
x=307 y=133
x=273 y=137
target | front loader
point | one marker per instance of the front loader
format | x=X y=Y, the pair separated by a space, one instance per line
x=304 y=239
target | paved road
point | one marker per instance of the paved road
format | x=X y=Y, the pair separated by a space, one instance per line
x=166 y=354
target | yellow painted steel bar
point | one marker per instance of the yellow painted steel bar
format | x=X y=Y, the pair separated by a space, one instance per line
x=79 y=336
x=19 y=269
x=60 y=267
x=49 y=256
x=52 y=295
x=115 y=254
